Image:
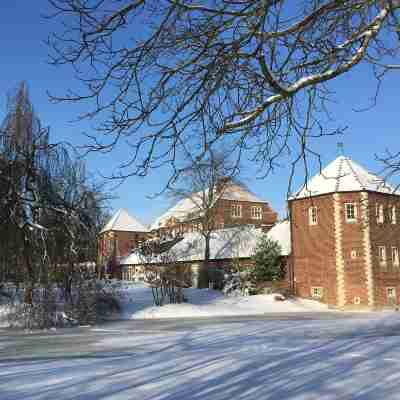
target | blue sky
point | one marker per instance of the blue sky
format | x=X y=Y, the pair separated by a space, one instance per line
x=24 y=56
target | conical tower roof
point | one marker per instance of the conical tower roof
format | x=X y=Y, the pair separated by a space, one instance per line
x=343 y=175
x=123 y=221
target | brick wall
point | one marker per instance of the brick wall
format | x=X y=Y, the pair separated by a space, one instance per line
x=388 y=235
x=313 y=247
x=222 y=217
x=124 y=242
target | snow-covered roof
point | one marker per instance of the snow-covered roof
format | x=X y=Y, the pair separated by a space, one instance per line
x=343 y=175
x=123 y=221
x=193 y=204
x=237 y=242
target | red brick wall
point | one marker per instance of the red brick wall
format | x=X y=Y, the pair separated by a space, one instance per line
x=388 y=235
x=355 y=281
x=124 y=241
x=224 y=213
x=223 y=217
x=313 y=247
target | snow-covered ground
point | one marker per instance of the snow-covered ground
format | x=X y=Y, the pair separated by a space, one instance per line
x=137 y=303
x=339 y=357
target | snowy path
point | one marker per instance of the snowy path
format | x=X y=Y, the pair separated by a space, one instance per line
x=336 y=357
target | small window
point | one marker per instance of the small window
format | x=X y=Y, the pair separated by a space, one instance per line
x=393 y=215
x=391 y=292
x=317 y=292
x=351 y=212
x=256 y=212
x=354 y=254
x=395 y=256
x=312 y=216
x=236 y=210
x=380 y=217
x=382 y=255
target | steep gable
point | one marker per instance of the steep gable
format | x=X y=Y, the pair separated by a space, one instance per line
x=123 y=221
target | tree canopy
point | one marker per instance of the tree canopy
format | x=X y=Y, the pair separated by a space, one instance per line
x=173 y=77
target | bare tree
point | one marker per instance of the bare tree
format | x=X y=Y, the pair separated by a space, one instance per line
x=177 y=76
x=163 y=271
x=50 y=211
x=203 y=183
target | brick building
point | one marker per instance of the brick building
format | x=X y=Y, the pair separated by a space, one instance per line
x=235 y=245
x=121 y=234
x=234 y=206
x=345 y=233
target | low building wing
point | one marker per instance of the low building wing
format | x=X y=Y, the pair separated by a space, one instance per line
x=238 y=242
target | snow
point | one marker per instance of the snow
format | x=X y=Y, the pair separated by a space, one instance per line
x=137 y=303
x=343 y=175
x=123 y=221
x=236 y=242
x=194 y=204
x=301 y=359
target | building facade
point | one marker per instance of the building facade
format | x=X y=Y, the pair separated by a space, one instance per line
x=117 y=239
x=234 y=206
x=345 y=230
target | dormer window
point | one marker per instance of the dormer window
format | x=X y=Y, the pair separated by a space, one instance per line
x=350 y=212
x=312 y=216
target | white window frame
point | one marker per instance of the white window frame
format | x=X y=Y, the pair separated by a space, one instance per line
x=391 y=292
x=380 y=215
x=346 y=209
x=317 y=292
x=393 y=215
x=256 y=212
x=382 y=255
x=236 y=211
x=313 y=216
x=395 y=256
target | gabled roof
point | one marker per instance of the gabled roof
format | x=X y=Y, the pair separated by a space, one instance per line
x=237 y=242
x=123 y=221
x=343 y=175
x=193 y=204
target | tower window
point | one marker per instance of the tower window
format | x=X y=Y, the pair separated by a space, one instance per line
x=395 y=256
x=382 y=255
x=312 y=216
x=350 y=212
x=380 y=217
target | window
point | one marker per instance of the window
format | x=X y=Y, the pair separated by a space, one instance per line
x=380 y=218
x=395 y=256
x=393 y=215
x=382 y=255
x=236 y=210
x=317 y=292
x=351 y=212
x=391 y=292
x=256 y=212
x=354 y=254
x=312 y=216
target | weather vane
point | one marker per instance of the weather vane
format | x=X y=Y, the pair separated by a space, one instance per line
x=340 y=148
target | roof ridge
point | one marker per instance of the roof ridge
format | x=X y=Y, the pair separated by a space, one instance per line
x=356 y=177
x=337 y=185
